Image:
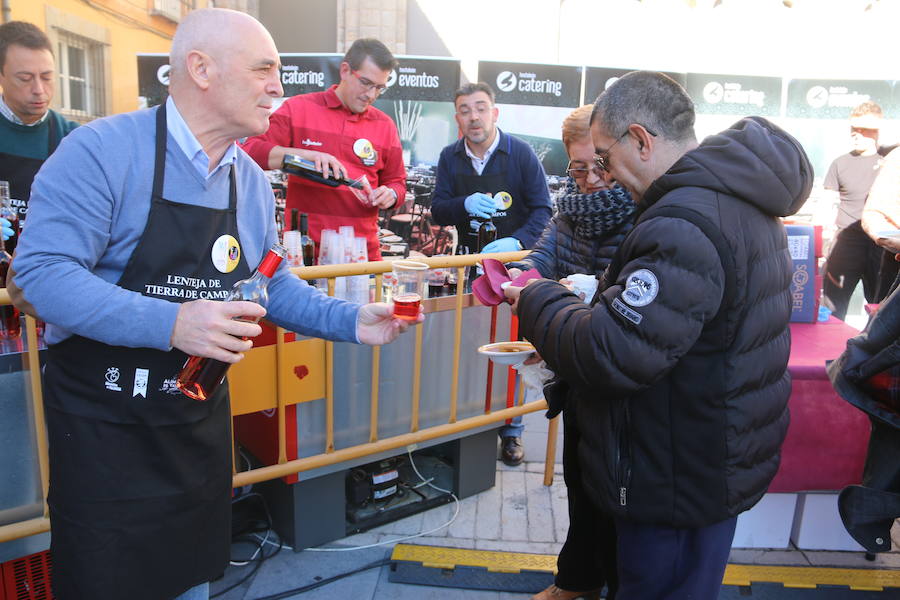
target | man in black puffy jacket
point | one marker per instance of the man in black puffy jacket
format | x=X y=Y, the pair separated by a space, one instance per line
x=679 y=367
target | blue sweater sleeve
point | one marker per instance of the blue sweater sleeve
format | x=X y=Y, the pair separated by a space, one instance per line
x=71 y=215
x=537 y=197
x=447 y=208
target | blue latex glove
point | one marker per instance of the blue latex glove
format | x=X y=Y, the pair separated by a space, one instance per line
x=507 y=244
x=5 y=229
x=480 y=205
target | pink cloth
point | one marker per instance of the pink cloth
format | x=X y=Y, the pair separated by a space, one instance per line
x=827 y=439
x=488 y=288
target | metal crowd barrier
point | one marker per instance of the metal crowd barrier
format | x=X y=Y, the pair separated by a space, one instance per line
x=280 y=401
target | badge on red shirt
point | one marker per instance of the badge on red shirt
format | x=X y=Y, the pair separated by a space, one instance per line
x=365 y=151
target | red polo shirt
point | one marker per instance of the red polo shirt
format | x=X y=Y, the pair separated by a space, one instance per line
x=319 y=121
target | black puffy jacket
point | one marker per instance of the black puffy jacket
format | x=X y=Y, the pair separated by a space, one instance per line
x=679 y=372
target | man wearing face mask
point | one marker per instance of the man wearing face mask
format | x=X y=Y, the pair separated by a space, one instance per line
x=488 y=174
x=346 y=136
x=854 y=256
x=29 y=130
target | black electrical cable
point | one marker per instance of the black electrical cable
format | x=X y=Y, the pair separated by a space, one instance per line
x=318 y=584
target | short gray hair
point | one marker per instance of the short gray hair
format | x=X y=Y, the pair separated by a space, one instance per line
x=647 y=98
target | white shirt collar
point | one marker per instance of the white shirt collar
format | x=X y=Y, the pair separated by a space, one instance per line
x=189 y=144
x=479 y=163
x=7 y=112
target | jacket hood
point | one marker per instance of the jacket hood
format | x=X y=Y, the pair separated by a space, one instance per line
x=754 y=160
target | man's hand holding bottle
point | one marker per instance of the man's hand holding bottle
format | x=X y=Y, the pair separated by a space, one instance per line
x=507 y=244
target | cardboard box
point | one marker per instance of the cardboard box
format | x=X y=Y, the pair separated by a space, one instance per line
x=805 y=289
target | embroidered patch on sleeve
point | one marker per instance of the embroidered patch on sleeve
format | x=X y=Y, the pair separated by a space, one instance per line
x=619 y=307
x=641 y=288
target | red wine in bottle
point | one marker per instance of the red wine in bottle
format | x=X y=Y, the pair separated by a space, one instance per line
x=307 y=245
x=200 y=377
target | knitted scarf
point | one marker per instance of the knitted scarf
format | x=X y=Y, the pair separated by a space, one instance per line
x=598 y=214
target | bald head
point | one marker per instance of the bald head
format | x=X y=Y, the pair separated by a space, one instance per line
x=211 y=31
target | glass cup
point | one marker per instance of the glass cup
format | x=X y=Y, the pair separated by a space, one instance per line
x=409 y=288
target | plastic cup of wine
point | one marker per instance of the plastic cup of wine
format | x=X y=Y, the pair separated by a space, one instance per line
x=409 y=288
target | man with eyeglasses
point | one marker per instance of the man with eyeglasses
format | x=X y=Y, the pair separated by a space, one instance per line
x=345 y=136
x=679 y=368
x=491 y=175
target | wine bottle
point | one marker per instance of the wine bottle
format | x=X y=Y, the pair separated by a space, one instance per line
x=201 y=376
x=307 y=245
x=301 y=167
x=10 y=323
x=10 y=214
x=487 y=233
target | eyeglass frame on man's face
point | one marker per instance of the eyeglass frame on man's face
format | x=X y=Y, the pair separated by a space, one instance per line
x=368 y=84
x=601 y=159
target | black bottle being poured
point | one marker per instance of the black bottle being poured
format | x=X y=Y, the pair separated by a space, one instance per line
x=487 y=233
x=301 y=167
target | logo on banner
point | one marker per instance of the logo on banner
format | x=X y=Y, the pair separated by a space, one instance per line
x=226 y=253
x=713 y=92
x=292 y=75
x=365 y=151
x=506 y=81
x=834 y=96
x=409 y=77
x=162 y=74
x=112 y=376
x=392 y=78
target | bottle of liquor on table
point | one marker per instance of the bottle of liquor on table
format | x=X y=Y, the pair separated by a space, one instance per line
x=307 y=245
x=10 y=321
x=200 y=377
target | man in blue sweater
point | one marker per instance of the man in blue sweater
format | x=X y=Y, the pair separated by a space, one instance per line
x=29 y=130
x=490 y=175
x=168 y=212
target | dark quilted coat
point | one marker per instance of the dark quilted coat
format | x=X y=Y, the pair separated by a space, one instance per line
x=682 y=401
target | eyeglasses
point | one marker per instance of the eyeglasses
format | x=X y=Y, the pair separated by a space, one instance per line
x=369 y=84
x=582 y=172
x=601 y=159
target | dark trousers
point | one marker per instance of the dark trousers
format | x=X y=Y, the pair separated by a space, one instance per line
x=855 y=257
x=588 y=558
x=664 y=563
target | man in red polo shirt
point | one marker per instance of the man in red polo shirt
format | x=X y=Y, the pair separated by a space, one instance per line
x=344 y=135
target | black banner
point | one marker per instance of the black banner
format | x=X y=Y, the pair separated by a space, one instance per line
x=833 y=98
x=715 y=94
x=597 y=79
x=423 y=79
x=305 y=73
x=153 y=79
x=532 y=84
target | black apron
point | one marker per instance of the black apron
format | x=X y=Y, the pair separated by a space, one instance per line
x=19 y=171
x=140 y=475
x=508 y=220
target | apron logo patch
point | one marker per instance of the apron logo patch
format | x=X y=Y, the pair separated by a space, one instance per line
x=364 y=149
x=112 y=376
x=619 y=307
x=503 y=200
x=169 y=387
x=641 y=288
x=141 y=376
x=226 y=253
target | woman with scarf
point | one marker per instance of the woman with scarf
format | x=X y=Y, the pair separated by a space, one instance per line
x=590 y=221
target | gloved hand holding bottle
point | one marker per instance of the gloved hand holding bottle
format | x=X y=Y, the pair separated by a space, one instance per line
x=507 y=244
x=6 y=230
x=480 y=205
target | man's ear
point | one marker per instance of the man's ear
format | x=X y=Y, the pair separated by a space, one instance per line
x=199 y=68
x=644 y=139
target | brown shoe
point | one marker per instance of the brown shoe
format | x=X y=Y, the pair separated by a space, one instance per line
x=556 y=593
x=511 y=451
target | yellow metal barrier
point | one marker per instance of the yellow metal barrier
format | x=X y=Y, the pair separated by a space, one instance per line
x=265 y=368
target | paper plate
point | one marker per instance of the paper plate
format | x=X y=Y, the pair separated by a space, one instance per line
x=507 y=353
